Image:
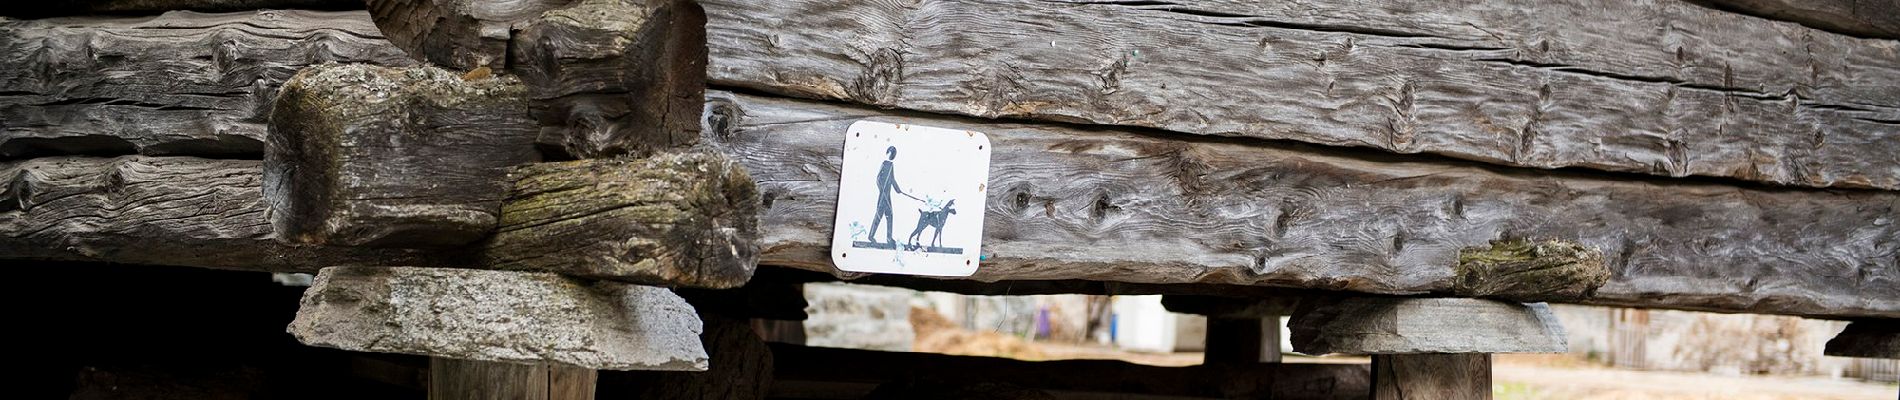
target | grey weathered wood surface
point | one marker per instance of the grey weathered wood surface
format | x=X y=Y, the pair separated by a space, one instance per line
x=1663 y=88
x=672 y=219
x=1393 y=325
x=1115 y=205
x=1864 y=18
x=41 y=9
x=452 y=379
x=1431 y=376
x=506 y=316
x=613 y=77
x=157 y=210
x=182 y=83
x=361 y=155
x=457 y=34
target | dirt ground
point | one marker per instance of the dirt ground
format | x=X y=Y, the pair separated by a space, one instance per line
x=1514 y=377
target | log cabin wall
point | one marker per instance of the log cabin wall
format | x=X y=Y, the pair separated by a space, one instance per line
x=1717 y=160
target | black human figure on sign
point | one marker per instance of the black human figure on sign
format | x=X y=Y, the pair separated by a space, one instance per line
x=886 y=183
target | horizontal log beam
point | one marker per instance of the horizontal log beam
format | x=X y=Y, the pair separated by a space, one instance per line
x=1235 y=213
x=1668 y=89
x=1864 y=18
x=158 y=210
x=90 y=7
x=1113 y=205
x=182 y=83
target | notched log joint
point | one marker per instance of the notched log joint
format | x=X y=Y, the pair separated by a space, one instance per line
x=1530 y=270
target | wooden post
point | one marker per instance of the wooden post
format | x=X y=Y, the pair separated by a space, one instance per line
x=1431 y=376
x=452 y=379
x=1242 y=340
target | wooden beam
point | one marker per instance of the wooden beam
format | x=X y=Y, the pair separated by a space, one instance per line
x=159 y=211
x=1863 y=18
x=614 y=77
x=1276 y=381
x=1662 y=89
x=1431 y=376
x=1130 y=206
x=182 y=83
x=502 y=316
x=1231 y=307
x=360 y=155
x=1391 y=325
x=452 y=379
x=673 y=219
x=97 y=7
x=740 y=368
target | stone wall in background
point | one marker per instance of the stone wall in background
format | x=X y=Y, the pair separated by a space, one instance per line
x=1697 y=341
x=858 y=317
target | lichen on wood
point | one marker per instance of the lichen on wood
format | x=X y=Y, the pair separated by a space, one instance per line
x=673 y=219
x=363 y=155
x=1530 y=270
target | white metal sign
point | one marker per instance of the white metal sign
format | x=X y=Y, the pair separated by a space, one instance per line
x=910 y=200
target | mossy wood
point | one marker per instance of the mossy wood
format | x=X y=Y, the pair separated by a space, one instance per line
x=362 y=155
x=673 y=219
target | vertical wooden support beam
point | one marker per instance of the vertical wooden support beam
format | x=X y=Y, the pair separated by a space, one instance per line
x=1431 y=376
x=453 y=379
x=1242 y=340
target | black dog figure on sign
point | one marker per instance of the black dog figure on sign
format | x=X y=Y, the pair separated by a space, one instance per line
x=932 y=219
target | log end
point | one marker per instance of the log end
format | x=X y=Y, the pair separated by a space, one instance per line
x=673 y=219
x=1530 y=271
x=360 y=155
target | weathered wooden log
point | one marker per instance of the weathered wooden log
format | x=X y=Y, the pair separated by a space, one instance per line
x=1864 y=18
x=741 y=368
x=614 y=77
x=1431 y=376
x=507 y=316
x=1231 y=307
x=157 y=210
x=182 y=83
x=1391 y=325
x=1867 y=338
x=1530 y=270
x=1667 y=89
x=452 y=379
x=673 y=219
x=1102 y=377
x=1111 y=205
x=456 y=34
x=361 y=155
x=92 y=7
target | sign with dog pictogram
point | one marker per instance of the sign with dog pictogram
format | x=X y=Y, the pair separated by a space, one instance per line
x=910 y=200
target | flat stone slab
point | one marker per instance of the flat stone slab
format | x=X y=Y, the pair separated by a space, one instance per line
x=507 y=316
x=1392 y=325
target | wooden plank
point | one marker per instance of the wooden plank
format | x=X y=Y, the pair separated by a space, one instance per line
x=161 y=211
x=672 y=219
x=452 y=379
x=613 y=77
x=1431 y=376
x=1864 y=18
x=1122 y=206
x=182 y=83
x=1274 y=381
x=1668 y=89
